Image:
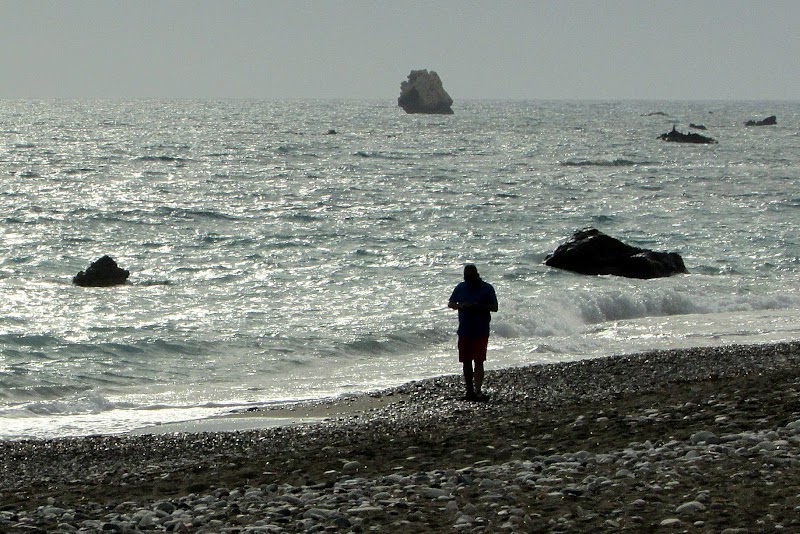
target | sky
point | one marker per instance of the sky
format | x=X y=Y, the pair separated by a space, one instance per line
x=360 y=49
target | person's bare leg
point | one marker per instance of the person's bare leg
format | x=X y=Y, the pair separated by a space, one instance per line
x=468 y=377
x=478 y=377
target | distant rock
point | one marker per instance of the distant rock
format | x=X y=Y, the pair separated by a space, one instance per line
x=659 y=113
x=103 y=272
x=423 y=93
x=677 y=137
x=772 y=120
x=697 y=126
x=590 y=251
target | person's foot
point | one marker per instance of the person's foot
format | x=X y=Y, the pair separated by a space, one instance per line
x=470 y=396
x=482 y=397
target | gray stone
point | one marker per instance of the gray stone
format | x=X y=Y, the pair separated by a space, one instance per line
x=690 y=507
x=433 y=493
x=351 y=467
x=704 y=436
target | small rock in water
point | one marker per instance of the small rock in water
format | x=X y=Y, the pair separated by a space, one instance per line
x=101 y=273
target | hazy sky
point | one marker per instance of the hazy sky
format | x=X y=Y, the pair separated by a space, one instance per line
x=535 y=49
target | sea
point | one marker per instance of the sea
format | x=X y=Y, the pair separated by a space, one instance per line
x=288 y=250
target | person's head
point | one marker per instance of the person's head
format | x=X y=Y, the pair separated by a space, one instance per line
x=471 y=275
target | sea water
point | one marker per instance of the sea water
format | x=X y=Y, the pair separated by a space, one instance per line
x=284 y=250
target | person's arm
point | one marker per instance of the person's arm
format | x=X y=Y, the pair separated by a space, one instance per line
x=453 y=303
x=492 y=305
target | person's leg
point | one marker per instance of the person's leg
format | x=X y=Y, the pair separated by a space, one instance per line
x=478 y=377
x=465 y=357
x=479 y=355
x=468 y=377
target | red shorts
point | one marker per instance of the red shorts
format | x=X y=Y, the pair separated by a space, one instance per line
x=472 y=348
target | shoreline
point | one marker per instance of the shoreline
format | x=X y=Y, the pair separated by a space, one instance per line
x=702 y=439
x=290 y=413
x=285 y=414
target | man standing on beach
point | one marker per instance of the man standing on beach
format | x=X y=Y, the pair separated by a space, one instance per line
x=475 y=300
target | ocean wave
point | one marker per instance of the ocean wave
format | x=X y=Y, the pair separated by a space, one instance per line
x=154 y=282
x=185 y=213
x=381 y=155
x=617 y=162
x=28 y=341
x=302 y=217
x=92 y=404
x=570 y=313
x=615 y=306
x=15 y=394
x=162 y=159
x=396 y=343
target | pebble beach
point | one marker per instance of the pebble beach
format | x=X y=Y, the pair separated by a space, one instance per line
x=690 y=440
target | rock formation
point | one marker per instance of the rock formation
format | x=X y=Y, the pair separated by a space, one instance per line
x=677 y=137
x=590 y=251
x=772 y=120
x=423 y=93
x=103 y=272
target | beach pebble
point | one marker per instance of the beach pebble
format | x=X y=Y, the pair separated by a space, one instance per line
x=624 y=473
x=690 y=507
x=794 y=425
x=146 y=520
x=317 y=513
x=351 y=467
x=433 y=493
x=53 y=511
x=704 y=436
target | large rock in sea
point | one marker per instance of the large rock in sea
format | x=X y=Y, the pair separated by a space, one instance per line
x=590 y=251
x=102 y=273
x=423 y=93
x=677 y=137
x=772 y=120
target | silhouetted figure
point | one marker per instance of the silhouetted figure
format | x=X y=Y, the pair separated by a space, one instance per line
x=475 y=300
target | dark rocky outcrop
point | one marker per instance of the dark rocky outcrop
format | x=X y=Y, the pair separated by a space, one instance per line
x=423 y=93
x=772 y=120
x=102 y=273
x=590 y=251
x=677 y=137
